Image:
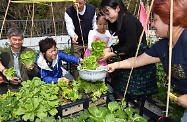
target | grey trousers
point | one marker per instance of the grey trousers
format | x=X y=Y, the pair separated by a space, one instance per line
x=78 y=51
x=66 y=74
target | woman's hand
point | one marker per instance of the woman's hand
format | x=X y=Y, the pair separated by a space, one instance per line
x=63 y=78
x=112 y=67
x=182 y=100
x=107 y=50
x=106 y=56
x=80 y=61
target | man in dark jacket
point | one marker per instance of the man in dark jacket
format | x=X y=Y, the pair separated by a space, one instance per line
x=11 y=58
x=80 y=19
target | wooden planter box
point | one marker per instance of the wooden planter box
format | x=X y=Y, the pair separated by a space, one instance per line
x=151 y=109
x=70 y=109
x=14 y=121
x=100 y=101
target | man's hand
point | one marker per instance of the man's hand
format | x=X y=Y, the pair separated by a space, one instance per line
x=4 y=70
x=74 y=39
x=15 y=81
x=30 y=67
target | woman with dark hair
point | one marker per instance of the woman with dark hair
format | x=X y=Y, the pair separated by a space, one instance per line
x=128 y=29
x=160 y=51
x=49 y=61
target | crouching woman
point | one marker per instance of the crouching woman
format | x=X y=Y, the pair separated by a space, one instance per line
x=49 y=61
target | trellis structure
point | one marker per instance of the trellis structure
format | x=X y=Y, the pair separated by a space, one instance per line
x=170 y=46
x=32 y=16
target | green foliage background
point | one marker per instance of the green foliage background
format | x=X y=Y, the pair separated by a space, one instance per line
x=18 y=11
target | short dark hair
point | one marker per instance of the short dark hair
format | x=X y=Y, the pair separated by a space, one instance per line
x=46 y=44
x=15 y=31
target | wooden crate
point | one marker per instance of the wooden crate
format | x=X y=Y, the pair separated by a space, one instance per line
x=100 y=101
x=14 y=121
x=151 y=109
x=70 y=109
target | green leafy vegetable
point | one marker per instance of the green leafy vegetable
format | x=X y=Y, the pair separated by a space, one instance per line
x=94 y=89
x=28 y=58
x=97 y=51
x=37 y=100
x=97 y=48
x=68 y=92
x=113 y=106
x=8 y=106
x=9 y=73
x=113 y=113
x=89 y=63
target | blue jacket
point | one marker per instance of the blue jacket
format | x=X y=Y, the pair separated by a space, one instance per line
x=46 y=73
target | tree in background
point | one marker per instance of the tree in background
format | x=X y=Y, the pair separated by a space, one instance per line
x=19 y=11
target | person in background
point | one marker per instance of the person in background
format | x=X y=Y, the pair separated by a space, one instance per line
x=128 y=29
x=160 y=50
x=49 y=61
x=78 y=32
x=11 y=58
x=101 y=33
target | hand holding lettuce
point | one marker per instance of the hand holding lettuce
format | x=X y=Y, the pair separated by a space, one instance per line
x=97 y=51
x=9 y=73
x=28 y=58
x=89 y=63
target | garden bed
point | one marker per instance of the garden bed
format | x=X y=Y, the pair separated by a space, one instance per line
x=71 y=108
x=151 y=109
x=102 y=101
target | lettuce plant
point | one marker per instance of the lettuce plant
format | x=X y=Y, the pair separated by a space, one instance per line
x=89 y=63
x=28 y=58
x=9 y=73
x=97 y=48
x=37 y=100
